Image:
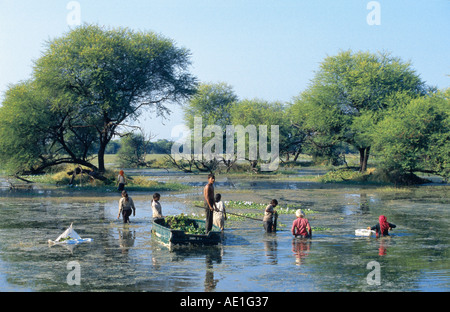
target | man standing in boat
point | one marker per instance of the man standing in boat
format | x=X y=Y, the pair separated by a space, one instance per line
x=210 y=203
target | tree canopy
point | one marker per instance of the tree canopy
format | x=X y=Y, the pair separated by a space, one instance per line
x=415 y=136
x=96 y=79
x=349 y=95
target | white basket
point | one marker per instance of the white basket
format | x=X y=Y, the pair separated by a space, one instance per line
x=364 y=232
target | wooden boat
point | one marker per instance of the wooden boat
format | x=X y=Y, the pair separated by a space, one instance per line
x=171 y=237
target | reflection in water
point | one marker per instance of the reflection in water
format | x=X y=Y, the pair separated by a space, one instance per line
x=384 y=244
x=300 y=247
x=214 y=255
x=126 y=238
x=270 y=248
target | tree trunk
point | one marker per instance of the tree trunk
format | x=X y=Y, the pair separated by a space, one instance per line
x=363 y=158
x=297 y=153
x=101 y=157
x=40 y=169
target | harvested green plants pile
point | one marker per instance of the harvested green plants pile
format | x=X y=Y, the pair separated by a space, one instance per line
x=183 y=223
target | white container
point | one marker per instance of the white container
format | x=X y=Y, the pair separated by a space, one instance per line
x=364 y=232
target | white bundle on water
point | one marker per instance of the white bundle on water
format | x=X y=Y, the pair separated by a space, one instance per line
x=69 y=236
x=364 y=232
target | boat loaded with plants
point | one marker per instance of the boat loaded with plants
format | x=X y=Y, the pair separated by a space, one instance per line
x=182 y=230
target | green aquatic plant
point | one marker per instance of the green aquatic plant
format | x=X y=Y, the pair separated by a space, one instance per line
x=183 y=223
x=319 y=229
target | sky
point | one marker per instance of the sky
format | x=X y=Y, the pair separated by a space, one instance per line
x=265 y=49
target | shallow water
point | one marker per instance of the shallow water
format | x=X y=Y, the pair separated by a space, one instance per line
x=128 y=258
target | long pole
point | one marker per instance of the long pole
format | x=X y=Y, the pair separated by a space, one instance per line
x=234 y=214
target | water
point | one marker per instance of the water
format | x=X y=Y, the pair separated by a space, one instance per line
x=128 y=258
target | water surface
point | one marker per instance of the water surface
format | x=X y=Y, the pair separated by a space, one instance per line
x=128 y=258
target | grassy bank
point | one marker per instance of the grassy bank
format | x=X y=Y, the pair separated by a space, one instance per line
x=287 y=170
x=60 y=177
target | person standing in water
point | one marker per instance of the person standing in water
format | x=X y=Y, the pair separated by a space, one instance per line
x=156 y=207
x=126 y=206
x=268 y=216
x=220 y=215
x=300 y=226
x=210 y=204
x=383 y=227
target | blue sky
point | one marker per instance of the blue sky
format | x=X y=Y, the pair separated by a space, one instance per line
x=264 y=49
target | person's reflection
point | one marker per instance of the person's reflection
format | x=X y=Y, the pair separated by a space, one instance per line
x=384 y=243
x=126 y=239
x=300 y=247
x=214 y=255
x=270 y=247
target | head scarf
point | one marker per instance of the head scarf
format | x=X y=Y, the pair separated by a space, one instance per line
x=384 y=225
x=121 y=172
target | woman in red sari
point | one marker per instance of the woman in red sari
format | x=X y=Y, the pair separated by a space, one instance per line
x=383 y=227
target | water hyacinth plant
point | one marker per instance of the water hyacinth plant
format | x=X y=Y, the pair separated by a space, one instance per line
x=183 y=223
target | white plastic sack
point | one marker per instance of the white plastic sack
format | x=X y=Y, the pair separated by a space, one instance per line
x=69 y=236
x=364 y=232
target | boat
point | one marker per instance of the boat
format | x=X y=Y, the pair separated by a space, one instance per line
x=171 y=237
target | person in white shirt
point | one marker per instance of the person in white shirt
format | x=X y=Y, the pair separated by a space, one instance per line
x=156 y=207
x=220 y=215
x=126 y=206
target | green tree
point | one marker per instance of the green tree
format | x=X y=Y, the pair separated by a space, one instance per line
x=112 y=75
x=349 y=95
x=257 y=113
x=212 y=102
x=318 y=127
x=415 y=137
x=162 y=146
x=133 y=150
x=34 y=136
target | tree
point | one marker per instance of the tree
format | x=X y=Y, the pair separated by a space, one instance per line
x=133 y=150
x=318 y=128
x=415 y=137
x=257 y=113
x=212 y=102
x=109 y=76
x=33 y=136
x=349 y=95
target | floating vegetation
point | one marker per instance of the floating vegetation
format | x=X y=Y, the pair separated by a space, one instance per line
x=183 y=223
x=244 y=204
x=235 y=204
x=242 y=216
x=319 y=229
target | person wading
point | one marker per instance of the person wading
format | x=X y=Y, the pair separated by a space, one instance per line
x=383 y=227
x=268 y=220
x=210 y=203
x=126 y=206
